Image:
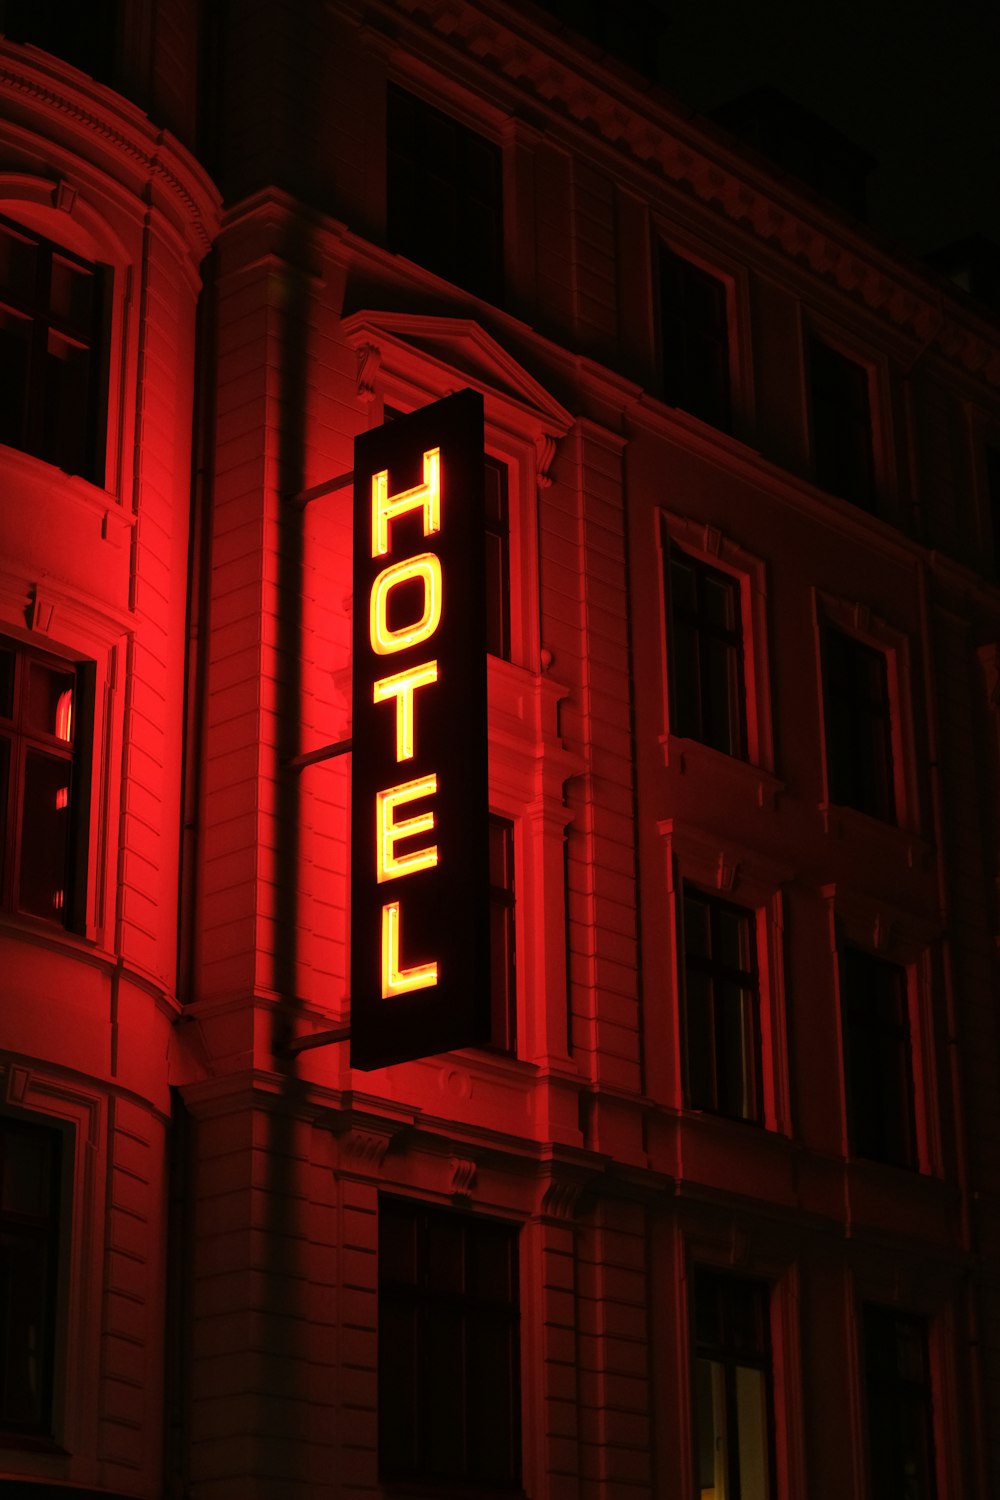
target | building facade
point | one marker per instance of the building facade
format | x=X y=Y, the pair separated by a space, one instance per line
x=715 y=1215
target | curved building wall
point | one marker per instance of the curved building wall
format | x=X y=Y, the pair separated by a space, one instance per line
x=104 y=220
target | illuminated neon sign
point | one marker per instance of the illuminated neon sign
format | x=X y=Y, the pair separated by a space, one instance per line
x=420 y=800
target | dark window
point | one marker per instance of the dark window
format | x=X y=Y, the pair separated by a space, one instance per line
x=448 y=1381
x=83 y=35
x=721 y=1007
x=694 y=338
x=444 y=196
x=52 y=361
x=733 y=1398
x=841 y=425
x=497 y=560
x=29 y=1252
x=503 y=989
x=45 y=713
x=858 y=726
x=878 y=1060
x=706 y=654
x=993 y=500
x=898 y=1402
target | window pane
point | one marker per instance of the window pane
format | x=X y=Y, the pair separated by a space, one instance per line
x=45 y=826
x=67 y=424
x=73 y=294
x=751 y=1420
x=49 y=708
x=710 y=1437
x=721 y=1008
x=18 y=265
x=7 y=660
x=29 y=1161
x=448 y=1391
x=15 y=363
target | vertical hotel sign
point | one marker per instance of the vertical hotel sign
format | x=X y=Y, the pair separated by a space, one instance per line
x=420 y=795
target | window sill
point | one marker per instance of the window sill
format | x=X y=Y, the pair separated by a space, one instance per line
x=692 y=757
x=849 y=823
x=57 y=939
x=453 y=1489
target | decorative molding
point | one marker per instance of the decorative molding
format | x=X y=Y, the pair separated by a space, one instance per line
x=546 y=445
x=65 y=197
x=707 y=163
x=369 y=360
x=463 y=1177
x=41 y=611
x=566 y=1195
x=364 y=1150
x=18 y=1083
x=67 y=102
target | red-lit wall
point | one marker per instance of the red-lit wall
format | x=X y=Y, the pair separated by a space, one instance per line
x=220 y=1308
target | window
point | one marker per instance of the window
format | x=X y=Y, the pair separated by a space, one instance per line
x=878 y=1058
x=898 y=1405
x=841 y=416
x=993 y=500
x=444 y=196
x=45 y=712
x=497 y=560
x=448 y=1382
x=733 y=1398
x=707 y=699
x=694 y=340
x=503 y=990
x=29 y=1253
x=53 y=395
x=721 y=1007
x=858 y=726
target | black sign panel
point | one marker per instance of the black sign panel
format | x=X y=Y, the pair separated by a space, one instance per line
x=420 y=794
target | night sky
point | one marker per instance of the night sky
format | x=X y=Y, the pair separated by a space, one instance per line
x=914 y=82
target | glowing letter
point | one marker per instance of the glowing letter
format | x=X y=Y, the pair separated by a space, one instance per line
x=401 y=687
x=427 y=568
x=397 y=981
x=425 y=497
x=388 y=864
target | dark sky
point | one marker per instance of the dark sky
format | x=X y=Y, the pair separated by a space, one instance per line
x=915 y=82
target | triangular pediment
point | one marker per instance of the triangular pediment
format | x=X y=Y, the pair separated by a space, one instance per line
x=453 y=352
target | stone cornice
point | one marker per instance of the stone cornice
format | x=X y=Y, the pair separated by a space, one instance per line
x=662 y=138
x=117 y=131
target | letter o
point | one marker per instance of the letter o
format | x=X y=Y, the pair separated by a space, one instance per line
x=427 y=568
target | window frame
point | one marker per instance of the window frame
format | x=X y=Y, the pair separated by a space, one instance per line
x=708 y=546
x=510 y=1315
x=826 y=445
x=752 y=1045
x=727 y=1356
x=888 y=933
x=857 y=620
x=80 y=1115
x=873 y=793
x=503 y=898
x=875 y=1032
x=701 y=627
x=43 y=320
x=677 y=381
x=870 y=1309
x=825 y=328
x=743 y=879
x=40 y=1432
x=713 y=261
x=23 y=739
